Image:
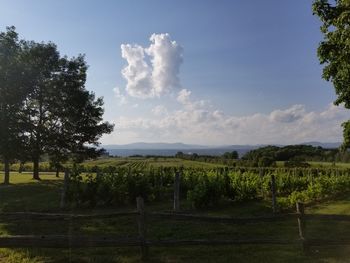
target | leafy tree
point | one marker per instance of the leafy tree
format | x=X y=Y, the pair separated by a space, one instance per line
x=64 y=119
x=12 y=93
x=334 y=51
x=44 y=106
x=43 y=100
x=231 y=155
x=179 y=155
x=80 y=117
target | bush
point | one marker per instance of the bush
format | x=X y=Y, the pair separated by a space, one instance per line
x=207 y=193
x=245 y=186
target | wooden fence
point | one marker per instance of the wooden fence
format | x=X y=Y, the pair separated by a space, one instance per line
x=72 y=241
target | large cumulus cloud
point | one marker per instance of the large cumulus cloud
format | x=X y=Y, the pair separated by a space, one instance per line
x=154 y=70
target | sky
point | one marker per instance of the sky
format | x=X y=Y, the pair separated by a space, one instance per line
x=200 y=71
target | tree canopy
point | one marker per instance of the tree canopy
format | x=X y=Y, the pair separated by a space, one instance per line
x=44 y=106
x=13 y=90
x=334 y=50
x=268 y=155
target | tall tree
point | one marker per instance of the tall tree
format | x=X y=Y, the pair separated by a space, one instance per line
x=334 y=50
x=13 y=89
x=42 y=102
x=44 y=106
x=80 y=116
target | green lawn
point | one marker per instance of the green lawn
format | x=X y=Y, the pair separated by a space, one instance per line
x=25 y=194
x=329 y=164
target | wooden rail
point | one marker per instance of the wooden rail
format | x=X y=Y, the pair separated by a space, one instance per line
x=61 y=216
x=76 y=241
x=217 y=219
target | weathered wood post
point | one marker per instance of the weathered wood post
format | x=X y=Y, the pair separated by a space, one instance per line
x=64 y=189
x=273 y=194
x=301 y=224
x=142 y=227
x=177 y=191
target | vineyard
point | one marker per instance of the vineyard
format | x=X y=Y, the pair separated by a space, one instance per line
x=103 y=163
x=204 y=191
x=206 y=187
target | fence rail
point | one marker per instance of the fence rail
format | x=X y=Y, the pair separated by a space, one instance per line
x=62 y=216
x=76 y=241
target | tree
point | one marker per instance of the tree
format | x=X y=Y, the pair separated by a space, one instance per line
x=179 y=155
x=334 y=51
x=13 y=89
x=80 y=117
x=230 y=155
x=44 y=106
x=43 y=100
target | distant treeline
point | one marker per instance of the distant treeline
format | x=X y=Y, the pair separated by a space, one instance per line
x=293 y=155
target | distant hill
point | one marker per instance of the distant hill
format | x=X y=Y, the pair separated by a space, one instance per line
x=154 y=146
x=170 y=149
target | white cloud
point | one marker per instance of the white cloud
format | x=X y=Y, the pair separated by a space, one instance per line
x=202 y=125
x=159 y=110
x=136 y=72
x=117 y=93
x=160 y=76
x=289 y=115
x=184 y=96
x=154 y=71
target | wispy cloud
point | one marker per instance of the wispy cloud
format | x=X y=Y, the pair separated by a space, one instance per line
x=160 y=110
x=201 y=125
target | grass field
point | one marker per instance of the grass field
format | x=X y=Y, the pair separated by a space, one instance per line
x=24 y=194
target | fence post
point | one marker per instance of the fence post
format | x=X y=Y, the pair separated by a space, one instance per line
x=301 y=224
x=142 y=227
x=64 y=189
x=177 y=191
x=273 y=193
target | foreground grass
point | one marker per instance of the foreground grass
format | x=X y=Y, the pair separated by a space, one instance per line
x=25 y=194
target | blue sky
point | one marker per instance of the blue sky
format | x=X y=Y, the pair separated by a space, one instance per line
x=239 y=72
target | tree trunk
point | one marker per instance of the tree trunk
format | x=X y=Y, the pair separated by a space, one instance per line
x=36 y=169
x=7 y=172
x=57 y=172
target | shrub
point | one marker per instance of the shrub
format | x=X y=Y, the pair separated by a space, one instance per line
x=207 y=193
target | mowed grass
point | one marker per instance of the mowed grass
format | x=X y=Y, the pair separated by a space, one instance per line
x=330 y=165
x=25 y=194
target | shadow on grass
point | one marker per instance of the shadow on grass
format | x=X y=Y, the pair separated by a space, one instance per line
x=45 y=196
x=38 y=196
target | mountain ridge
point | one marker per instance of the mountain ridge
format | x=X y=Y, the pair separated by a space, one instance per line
x=179 y=145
